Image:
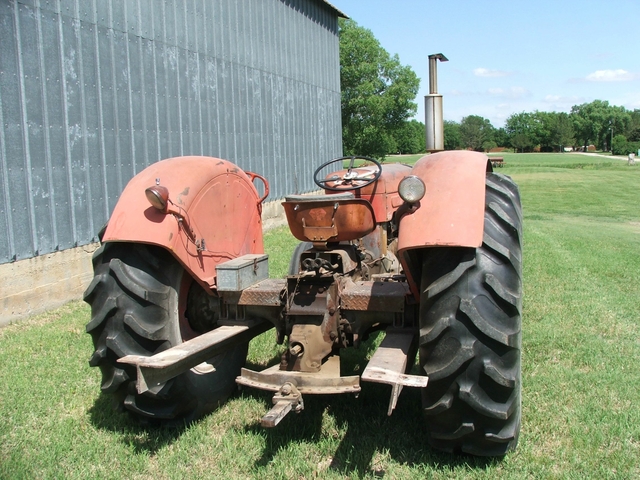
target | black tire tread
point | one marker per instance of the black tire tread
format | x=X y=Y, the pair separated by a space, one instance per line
x=470 y=333
x=133 y=299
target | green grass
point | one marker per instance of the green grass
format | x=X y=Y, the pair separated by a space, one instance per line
x=581 y=411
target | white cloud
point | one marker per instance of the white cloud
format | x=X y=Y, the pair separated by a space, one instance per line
x=561 y=99
x=485 y=72
x=511 y=93
x=618 y=75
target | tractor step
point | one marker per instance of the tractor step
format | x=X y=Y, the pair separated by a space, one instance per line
x=375 y=295
x=389 y=364
x=157 y=369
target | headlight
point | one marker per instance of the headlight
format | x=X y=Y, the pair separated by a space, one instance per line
x=411 y=189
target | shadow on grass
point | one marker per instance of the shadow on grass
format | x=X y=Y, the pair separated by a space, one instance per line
x=368 y=428
x=145 y=438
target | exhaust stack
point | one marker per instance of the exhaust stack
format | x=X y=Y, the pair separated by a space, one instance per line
x=433 y=107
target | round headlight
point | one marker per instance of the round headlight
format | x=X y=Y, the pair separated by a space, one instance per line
x=411 y=189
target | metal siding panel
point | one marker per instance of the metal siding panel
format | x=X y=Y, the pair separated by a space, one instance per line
x=268 y=133
x=92 y=130
x=72 y=98
x=180 y=24
x=146 y=12
x=226 y=109
x=256 y=82
x=214 y=108
x=162 y=100
x=200 y=26
x=137 y=105
x=86 y=11
x=169 y=23
x=103 y=13
x=33 y=122
x=118 y=15
x=186 y=134
x=6 y=241
x=173 y=105
x=68 y=8
x=278 y=131
x=109 y=124
x=126 y=164
x=132 y=16
x=158 y=16
x=14 y=137
x=56 y=144
x=149 y=96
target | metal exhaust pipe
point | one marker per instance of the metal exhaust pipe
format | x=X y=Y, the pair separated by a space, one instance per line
x=433 y=107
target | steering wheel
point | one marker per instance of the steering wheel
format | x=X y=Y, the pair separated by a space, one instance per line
x=351 y=180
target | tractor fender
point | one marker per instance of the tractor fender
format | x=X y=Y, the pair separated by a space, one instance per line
x=215 y=199
x=451 y=213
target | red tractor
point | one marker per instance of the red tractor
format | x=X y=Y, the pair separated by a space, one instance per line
x=431 y=254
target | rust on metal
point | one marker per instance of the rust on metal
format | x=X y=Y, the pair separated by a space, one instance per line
x=287 y=399
x=201 y=188
x=327 y=219
x=267 y=292
x=326 y=381
x=389 y=364
x=157 y=369
x=375 y=296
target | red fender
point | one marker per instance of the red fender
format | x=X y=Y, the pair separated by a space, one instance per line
x=217 y=200
x=452 y=210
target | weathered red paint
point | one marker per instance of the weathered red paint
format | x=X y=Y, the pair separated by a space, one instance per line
x=452 y=210
x=218 y=201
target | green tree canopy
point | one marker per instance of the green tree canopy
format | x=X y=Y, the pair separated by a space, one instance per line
x=452 y=139
x=524 y=130
x=377 y=93
x=410 y=137
x=592 y=122
x=475 y=131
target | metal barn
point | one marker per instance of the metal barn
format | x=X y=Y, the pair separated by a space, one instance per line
x=93 y=91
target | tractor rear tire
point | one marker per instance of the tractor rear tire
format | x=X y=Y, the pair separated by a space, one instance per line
x=470 y=333
x=138 y=298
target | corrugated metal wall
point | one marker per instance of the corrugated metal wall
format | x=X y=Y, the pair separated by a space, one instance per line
x=93 y=91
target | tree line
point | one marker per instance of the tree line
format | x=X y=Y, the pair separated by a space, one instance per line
x=596 y=123
x=378 y=95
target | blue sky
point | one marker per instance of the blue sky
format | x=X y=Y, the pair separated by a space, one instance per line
x=510 y=56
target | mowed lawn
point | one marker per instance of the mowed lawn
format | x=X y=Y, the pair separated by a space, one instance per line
x=581 y=371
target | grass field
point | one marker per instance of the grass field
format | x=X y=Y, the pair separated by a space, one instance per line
x=581 y=376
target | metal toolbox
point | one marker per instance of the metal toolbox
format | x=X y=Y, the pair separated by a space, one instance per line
x=242 y=272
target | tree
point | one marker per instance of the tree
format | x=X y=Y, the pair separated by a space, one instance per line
x=521 y=141
x=633 y=130
x=564 y=131
x=592 y=122
x=474 y=131
x=619 y=145
x=452 y=139
x=377 y=93
x=410 y=137
x=501 y=137
x=523 y=130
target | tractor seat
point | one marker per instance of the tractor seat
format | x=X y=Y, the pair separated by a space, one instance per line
x=328 y=218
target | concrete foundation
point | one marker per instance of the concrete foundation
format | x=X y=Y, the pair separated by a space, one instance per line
x=38 y=284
